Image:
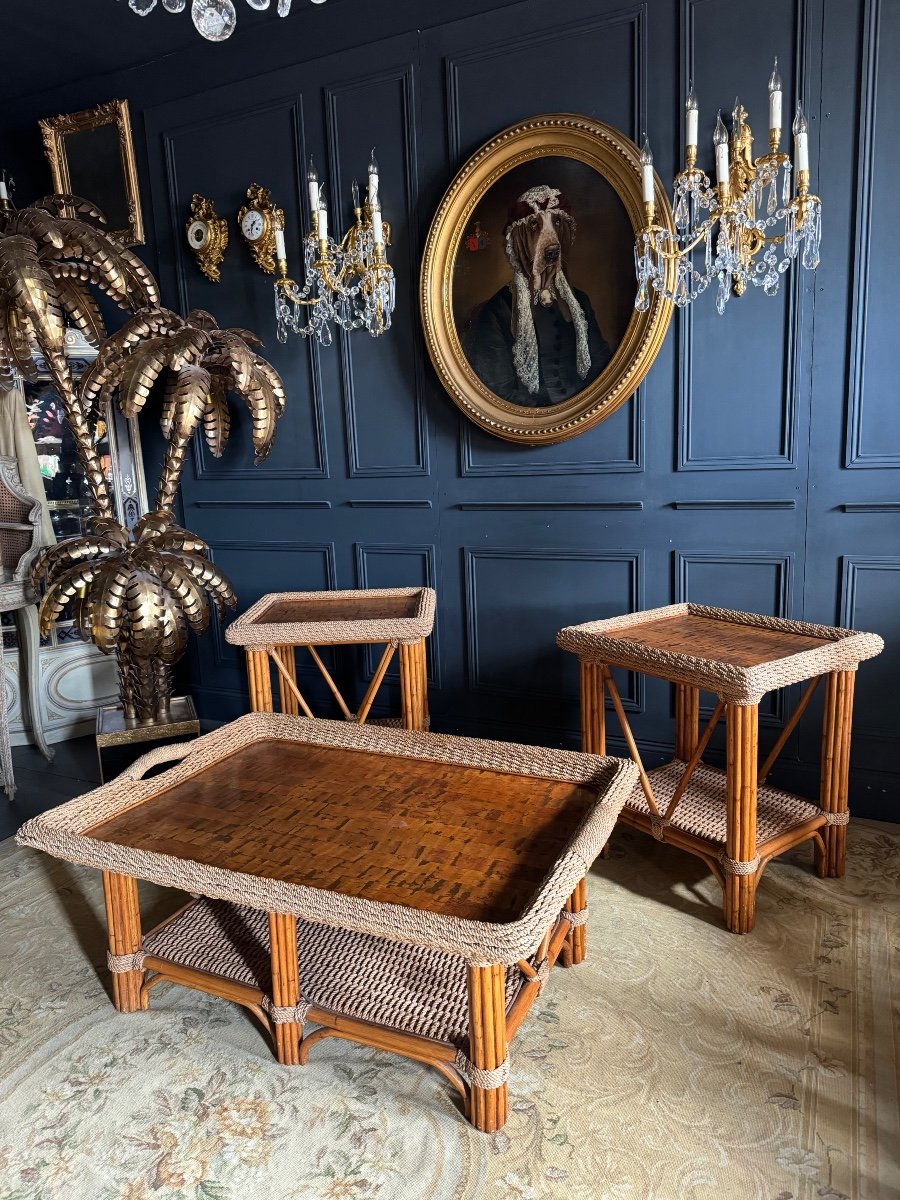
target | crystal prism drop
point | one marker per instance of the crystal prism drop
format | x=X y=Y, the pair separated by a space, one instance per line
x=142 y=7
x=258 y=4
x=773 y=197
x=770 y=285
x=642 y=300
x=284 y=7
x=175 y=6
x=722 y=293
x=214 y=19
x=786 y=184
x=681 y=211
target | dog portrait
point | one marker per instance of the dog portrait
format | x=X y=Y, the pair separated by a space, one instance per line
x=528 y=280
x=540 y=317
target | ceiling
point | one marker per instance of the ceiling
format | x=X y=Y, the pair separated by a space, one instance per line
x=52 y=43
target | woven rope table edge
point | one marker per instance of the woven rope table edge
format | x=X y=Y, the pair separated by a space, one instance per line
x=248 y=631
x=736 y=685
x=58 y=832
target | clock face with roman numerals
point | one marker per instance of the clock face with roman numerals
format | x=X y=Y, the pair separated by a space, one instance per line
x=253 y=225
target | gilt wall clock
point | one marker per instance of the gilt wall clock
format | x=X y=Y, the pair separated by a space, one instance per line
x=528 y=284
x=257 y=221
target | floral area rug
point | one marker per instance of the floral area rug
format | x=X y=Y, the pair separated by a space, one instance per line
x=678 y=1063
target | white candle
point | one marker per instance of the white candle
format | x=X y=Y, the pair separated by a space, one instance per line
x=647 y=171
x=801 y=140
x=691 y=117
x=775 y=94
x=4 y=194
x=323 y=223
x=373 y=181
x=312 y=180
x=377 y=227
x=720 y=141
x=280 y=252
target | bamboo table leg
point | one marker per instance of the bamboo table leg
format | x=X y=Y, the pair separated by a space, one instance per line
x=413 y=685
x=687 y=720
x=287 y=699
x=593 y=727
x=574 y=949
x=833 y=795
x=285 y=985
x=489 y=1106
x=123 y=921
x=741 y=868
x=260 y=681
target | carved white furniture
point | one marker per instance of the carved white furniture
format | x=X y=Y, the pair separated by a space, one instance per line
x=20 y=524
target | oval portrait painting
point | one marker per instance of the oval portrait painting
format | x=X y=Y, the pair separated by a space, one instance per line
x=528 y=282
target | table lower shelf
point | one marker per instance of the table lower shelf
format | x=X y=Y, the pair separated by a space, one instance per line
x=701 y=814
x=394 y=985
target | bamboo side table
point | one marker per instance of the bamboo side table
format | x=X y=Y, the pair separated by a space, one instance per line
x=731 y=819
x=281 y=622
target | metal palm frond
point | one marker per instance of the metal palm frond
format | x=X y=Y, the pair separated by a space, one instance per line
x=200 y=364
x=136 y=595
x=48 y=261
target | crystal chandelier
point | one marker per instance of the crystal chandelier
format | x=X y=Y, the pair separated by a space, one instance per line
x=214 y=19
x=730 y=233
x=348 y=283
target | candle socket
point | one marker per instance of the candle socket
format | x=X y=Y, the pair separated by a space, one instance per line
x=323 y=249
x=724 y=191
x=802 y=183
x=649 y=211
x=774 y=140
x=690 y=157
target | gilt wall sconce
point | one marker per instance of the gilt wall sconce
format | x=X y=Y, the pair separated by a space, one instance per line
x=730 y=234
x=349 y=283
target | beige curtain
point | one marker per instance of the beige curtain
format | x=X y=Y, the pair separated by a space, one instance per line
x=16 y=441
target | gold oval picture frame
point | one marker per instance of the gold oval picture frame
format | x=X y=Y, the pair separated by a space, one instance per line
x=470 y=314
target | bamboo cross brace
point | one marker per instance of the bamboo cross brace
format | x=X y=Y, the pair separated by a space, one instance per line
x=376 y=683
x=695 y=759
x=332 y=685
x=788 y=729
x=289 y=682
x=629 y=740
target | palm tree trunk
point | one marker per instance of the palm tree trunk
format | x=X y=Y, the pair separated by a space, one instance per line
x=170 y=476
x=82 y=433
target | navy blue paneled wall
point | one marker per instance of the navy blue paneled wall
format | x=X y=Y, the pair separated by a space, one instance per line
x=756 y=468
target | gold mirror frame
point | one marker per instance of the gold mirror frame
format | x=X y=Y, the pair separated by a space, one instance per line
x=55 y=130
x=617 y=159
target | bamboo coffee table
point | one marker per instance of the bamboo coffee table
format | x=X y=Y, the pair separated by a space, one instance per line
x=282 y=621
x=404 y=890
x=731 y=819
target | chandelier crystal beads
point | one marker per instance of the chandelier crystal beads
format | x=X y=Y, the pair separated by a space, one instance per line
x=747 y=228
x=213 y=19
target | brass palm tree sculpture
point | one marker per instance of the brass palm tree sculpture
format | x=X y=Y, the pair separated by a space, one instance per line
x=137 y=592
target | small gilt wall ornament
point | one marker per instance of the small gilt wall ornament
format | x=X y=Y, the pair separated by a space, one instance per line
x=207 y=235
x=258 y=220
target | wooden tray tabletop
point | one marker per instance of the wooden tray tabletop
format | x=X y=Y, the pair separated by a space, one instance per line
x=739 y=655
x=336 y=617
x=467 y=846
x=452 y=839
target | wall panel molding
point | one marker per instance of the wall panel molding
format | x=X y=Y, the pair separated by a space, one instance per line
x=687 y=459
x=854 y=454
x=357 y=468
x=632 y=694
x=293 y=105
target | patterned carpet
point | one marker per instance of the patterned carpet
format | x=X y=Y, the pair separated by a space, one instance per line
x=678 y=1063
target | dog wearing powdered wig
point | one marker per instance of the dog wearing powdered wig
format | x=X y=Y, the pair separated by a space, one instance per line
x=537 y=342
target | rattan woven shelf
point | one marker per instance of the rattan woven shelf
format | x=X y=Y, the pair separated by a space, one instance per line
x=728 y=818
x=278 y=624
x=402 y=889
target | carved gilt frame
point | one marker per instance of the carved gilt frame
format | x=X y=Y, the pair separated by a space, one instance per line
x=617 y=159
x=55 y=130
